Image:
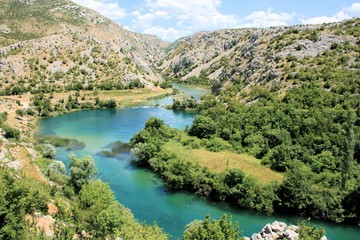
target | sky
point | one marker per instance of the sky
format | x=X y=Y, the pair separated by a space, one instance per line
x=172 y=19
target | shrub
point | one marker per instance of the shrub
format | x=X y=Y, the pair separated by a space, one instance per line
x=48 y=151
x=11 y=132
x=56 y=167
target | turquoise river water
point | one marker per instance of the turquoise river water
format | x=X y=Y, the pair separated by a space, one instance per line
x=141 y=190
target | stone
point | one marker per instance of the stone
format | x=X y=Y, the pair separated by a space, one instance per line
x=266 y=229
x=15 y=165
x=291 y=235
x=2 y=155
x=294 y=228
x=3 y=61
x=268 y=236
x=278 y=226
x=256 y=236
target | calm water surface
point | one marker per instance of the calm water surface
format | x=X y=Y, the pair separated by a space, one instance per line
x=142 y=191
x=186 y=91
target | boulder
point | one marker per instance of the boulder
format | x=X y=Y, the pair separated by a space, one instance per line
x=278 y=226
x=266 y=229
x=256 y=236
x=291 y=235
x=3 y=61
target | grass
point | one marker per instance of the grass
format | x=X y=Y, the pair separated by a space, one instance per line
x=43 y=164
x=221 y=161
x=128 y=98
x=28 y=169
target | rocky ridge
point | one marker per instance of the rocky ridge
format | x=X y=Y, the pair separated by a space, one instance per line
x=63 y=44
x=262 y=57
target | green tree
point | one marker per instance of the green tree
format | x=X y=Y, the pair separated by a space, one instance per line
x=212 y=230
x=203 y=127
x=81 y=171
x=310 y=232
x=48 y=151
x=348 y=159
x=107 y=222
x=56 y=167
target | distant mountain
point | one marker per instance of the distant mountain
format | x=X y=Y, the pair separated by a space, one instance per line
x=58 y=44
x=266 y=57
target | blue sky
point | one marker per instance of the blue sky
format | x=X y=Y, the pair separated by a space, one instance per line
x=172 y=19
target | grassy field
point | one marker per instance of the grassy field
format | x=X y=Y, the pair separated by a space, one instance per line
x=221 y=161
x=127 y=98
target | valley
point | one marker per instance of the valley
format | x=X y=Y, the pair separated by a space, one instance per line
x=273 y=127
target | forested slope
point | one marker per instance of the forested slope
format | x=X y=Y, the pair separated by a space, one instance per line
x=301 y=117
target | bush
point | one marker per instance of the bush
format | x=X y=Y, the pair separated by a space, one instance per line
x=56 y=167
x=217 y=144
x=20 y=112
x=309 y=232
x=11 y=132
x=111 y=103
x=203 y=127
x=48 y=151
x=217 y=229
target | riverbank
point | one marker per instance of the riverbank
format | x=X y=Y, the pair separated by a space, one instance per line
x=140 y=189
x=20 y=155
x=137 y=179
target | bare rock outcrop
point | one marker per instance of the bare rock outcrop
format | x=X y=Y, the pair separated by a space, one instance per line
x=278 y=231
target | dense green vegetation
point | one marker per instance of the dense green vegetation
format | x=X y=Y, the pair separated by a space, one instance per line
x=9 y=131
x=84 y=204
x=311 y=132
x=215 y=229
x=18 y=197
x=44 y=108
x=232 y=186
x=41 y=88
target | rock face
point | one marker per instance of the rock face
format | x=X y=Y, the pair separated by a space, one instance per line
x=75 y=46
x=257 y=57
x=278 y=230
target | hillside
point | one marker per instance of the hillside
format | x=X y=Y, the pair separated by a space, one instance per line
x=266 y=57
x=288 y=96
x=58 y=45
x=281 y=134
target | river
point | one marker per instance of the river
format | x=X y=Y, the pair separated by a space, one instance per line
x=141 y=190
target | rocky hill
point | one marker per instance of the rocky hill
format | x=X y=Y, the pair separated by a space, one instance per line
x=266 y=57
x=57 y=44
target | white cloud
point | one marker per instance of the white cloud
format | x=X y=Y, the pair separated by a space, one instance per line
x=107 y=8
x=266 y=18
x=324 y=19
x=345 y=13
x=167 y=33
x=146 y=20
x=189 y=16
x=354 y=8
